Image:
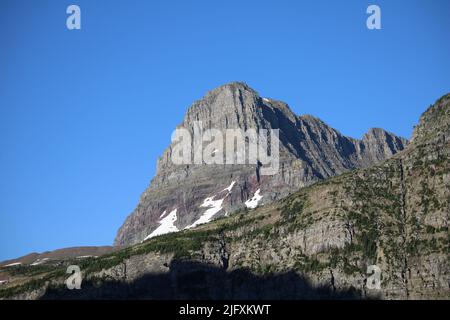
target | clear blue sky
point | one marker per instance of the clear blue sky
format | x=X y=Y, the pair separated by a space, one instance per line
x=84 y=114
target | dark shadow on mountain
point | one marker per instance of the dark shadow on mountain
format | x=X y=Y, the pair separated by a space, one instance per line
x=194 y=281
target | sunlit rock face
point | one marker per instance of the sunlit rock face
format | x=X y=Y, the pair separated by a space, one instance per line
x=309 y=151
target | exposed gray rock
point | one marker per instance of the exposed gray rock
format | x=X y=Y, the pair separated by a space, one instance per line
x=316 y=243
x=309 y=151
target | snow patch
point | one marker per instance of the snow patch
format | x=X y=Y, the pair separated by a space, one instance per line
x=163 y=214
x=13 y=264
x=230 y=186
x=266 y=100
x=214 y=207
x=39 y=261
x=166 y=225
x=253 y=202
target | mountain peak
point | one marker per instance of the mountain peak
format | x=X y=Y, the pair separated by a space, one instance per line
x=234 y=85
x=180 y=196
x=381 y=134
x=232 y=105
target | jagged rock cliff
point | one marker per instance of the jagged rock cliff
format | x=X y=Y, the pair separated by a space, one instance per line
x=187 y=195
x=316 y=243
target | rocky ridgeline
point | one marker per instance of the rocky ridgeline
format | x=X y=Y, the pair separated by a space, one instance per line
x=309 y=151
x=316 y=243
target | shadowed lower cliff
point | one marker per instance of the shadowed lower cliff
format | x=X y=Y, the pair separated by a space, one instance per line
x=194 y=281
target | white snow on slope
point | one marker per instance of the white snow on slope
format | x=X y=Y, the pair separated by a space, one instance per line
x=166 y=225
x=13 y=264
x=162 y=215
x=266 y=100
x=230 y=187
x=214 y=207
x=39 y=261
x=253 y=202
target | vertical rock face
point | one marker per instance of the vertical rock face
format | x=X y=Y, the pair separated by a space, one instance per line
x=309 y=151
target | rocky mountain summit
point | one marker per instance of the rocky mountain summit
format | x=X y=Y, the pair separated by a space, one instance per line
x=183 y=196
x=326 y=240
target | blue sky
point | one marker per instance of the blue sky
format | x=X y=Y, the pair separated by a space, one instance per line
x=84 y=114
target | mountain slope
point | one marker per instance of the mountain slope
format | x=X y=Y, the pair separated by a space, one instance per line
x=316 y=243
x=309 y=151
x=59 y=254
